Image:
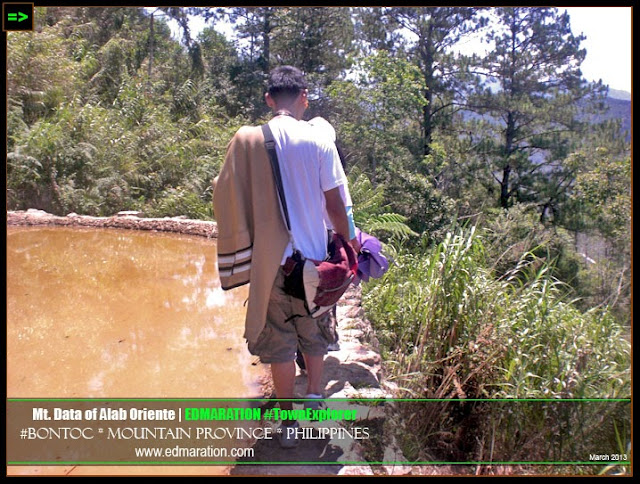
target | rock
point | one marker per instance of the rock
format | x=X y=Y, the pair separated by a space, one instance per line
x=354 y=312
x=393 y=454
x=356 y=471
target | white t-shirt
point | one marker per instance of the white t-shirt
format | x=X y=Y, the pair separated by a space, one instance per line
x=324 y=128
x=309 y=165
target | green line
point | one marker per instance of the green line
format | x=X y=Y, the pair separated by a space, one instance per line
x=326 y=399
x=403 y=463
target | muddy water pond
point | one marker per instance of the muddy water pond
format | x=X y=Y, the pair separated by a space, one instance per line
x=120 y=313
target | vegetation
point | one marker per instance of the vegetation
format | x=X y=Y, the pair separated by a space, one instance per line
x=453 y=330
x=499 y=185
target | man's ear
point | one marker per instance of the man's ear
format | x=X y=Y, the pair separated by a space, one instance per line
x=269 y=100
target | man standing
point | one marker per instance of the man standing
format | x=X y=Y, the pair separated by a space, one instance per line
x=253 y=241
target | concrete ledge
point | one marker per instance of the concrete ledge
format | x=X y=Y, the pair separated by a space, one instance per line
x=122 y=220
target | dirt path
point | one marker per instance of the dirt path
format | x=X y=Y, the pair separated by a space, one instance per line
x=354 y=371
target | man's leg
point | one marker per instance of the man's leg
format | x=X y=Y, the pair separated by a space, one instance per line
x=315 y=367
x=284 y=375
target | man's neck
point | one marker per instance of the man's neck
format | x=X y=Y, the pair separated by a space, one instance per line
x=283 y=112
x=287 y=110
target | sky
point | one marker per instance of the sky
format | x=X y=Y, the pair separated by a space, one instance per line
x=608 y=43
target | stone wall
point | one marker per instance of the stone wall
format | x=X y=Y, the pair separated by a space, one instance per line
x=123 y=220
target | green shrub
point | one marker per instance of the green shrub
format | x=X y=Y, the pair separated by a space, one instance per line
x=450 y=330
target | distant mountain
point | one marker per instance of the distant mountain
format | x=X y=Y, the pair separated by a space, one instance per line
x=622 y=95
x=619 y=107
x=614 y=108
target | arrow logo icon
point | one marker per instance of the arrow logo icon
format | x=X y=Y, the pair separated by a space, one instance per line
x=17 y=17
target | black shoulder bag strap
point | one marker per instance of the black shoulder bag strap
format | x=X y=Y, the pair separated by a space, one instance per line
x=270 y=145
x=293 y=267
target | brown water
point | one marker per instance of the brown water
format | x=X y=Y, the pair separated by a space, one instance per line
x=119 y=313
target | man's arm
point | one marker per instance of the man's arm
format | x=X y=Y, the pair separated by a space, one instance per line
x=338 y=215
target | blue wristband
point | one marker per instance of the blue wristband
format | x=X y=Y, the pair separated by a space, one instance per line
x=352 y=225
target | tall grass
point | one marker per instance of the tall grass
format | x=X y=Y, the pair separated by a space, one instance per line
x=451 y=330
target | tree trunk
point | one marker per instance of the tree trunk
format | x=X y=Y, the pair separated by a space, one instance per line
x=151 y=48
x=504 y=186
x=427 y=123
x=510 y=132
x=427 y=71
x=266 y=42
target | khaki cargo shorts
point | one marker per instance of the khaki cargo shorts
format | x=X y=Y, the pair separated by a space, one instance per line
x=288 y=328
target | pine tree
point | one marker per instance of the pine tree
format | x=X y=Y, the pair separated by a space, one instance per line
x=529 y=96
x=426 y=36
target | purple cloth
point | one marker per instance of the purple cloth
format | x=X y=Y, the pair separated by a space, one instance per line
x=371 y=262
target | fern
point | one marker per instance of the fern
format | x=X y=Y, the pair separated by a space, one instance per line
x=392 y=224
x=369 y=212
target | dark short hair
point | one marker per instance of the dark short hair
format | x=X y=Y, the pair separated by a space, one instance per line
x=286 y=82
